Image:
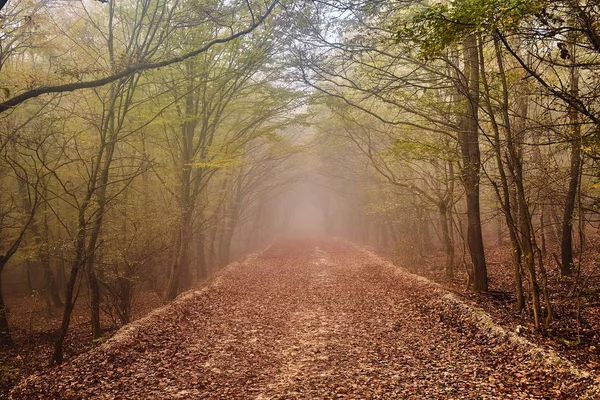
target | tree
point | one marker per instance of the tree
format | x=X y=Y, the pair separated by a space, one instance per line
x=256 y=19
x=13 y=221
x=141 y=42
x=334 y=72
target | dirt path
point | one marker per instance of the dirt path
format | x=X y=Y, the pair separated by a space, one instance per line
x=310 y=319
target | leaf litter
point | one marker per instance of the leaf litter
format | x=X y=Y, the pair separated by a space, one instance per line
x=308 y=319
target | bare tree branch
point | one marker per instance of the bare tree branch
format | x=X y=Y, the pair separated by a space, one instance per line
x=140 y=67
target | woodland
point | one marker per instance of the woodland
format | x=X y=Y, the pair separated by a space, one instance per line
x=147 y=144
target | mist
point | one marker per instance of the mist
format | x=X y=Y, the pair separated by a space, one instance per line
x=280 y=199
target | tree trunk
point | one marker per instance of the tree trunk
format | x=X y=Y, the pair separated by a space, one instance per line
x=181 y=255
x=566 y=244
x=211 y=257
x=393 y=234
x=543 y=231
x=28 y=268
x=57 y=355
x=514 y=143
x=180 y=262
x=507 y=195
x=94 y=303
x=50 y=280
x=225 y=247
x=448 y=245
x=254 y=239
x=5 y=338
x=172 y=289
x=227 y=235
x=202 y=271
x=231 y=218
x=85 y=252
x=469 y=145
x=43 y=253
x=61 y=276
x=90 y=261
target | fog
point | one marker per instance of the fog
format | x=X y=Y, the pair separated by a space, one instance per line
x=147 y=146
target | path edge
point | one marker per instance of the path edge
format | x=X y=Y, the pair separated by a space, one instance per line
x=484 y=322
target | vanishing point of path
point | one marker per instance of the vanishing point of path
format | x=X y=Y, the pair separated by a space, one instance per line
x=312 y=319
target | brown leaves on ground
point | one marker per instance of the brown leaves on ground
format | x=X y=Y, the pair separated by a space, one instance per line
x=306 y=320
x=579 y=341
x=33 y=330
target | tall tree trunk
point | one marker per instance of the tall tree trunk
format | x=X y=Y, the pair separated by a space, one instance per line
x=506 y=196
x=57 y=354
x=525 y=228
x=85 y=249
x=469 y=145
x=90 y=261
x=181 y=254
x=180 y=260
x=566 y=244
x=569 y=208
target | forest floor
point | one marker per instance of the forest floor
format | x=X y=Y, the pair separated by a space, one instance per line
x=315 y=319
x=577 y=339
x=33 y=328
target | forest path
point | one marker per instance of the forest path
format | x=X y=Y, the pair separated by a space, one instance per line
x=310 y=319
